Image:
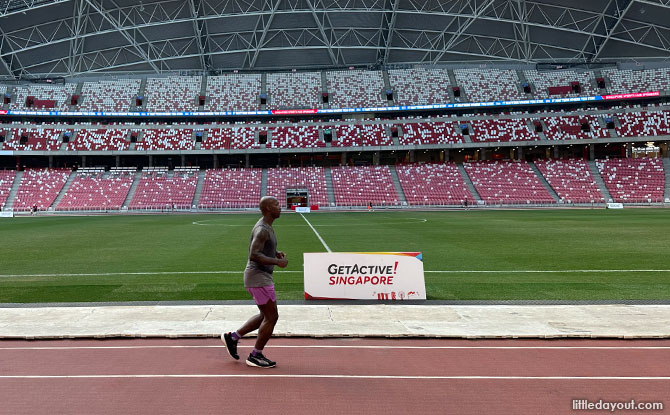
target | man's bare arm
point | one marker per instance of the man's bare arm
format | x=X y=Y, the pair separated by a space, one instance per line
x=256 y=251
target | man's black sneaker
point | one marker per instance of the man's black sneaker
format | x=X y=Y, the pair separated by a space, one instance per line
x=260 y=361
x=231 y=345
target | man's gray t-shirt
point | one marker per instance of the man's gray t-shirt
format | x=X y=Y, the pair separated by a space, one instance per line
x=255 y=274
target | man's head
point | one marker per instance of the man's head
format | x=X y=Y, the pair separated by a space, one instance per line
x=269 y=205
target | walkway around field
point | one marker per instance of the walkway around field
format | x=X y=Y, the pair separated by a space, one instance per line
x=321 y=320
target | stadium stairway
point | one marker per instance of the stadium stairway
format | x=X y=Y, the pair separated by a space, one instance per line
x=398 y=187
x=598 y=74
x=13 y=191
x=11 y=91
x=73 y=137
x=203 y=88
x=264 y=91
x=198 y=188
x=77 y=92
x=264 y=182
x=133 y=188
x=599 y=181
x=466 y=138
x=471 y=187
x=522 y=79
x=141 y=92
x=531 y=127
x=387 y=129
x=453 y=83
x=544 y=182
x=666 y=168
x=387 y=85
x=63 y=191
x=329 y=186
x=324 y=87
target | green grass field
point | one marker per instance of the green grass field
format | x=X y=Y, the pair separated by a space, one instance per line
x=474 y=255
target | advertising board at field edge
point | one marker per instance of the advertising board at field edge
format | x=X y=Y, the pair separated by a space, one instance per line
x=364 y=276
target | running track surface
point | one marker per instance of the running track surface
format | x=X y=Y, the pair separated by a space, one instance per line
x=330 y=376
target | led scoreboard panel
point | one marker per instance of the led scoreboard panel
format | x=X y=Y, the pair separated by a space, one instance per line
x=460 y=105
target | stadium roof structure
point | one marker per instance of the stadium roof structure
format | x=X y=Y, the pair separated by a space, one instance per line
x=40 y=38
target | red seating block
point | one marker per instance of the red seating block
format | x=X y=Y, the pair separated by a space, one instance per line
x=507 y=182
x=433 y=184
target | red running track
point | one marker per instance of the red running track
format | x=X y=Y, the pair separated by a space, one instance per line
x=331 y=376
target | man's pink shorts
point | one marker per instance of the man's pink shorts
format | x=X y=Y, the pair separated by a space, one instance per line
x=263 y=294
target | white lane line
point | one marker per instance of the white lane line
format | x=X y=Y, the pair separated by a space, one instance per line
x=317 y=234
x=382 y=377
x=534 y=271
x=539 y=271
x=346 y=347
x=212 y=222
x=106 y=274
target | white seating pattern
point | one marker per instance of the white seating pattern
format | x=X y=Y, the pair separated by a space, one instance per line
x=6 y=181
x=294 y=90
x=507 y=182
x=358 y=186
x=433 y=184
x=40 y=187
x=311 y=178
x=420 y=86
x=217 y=139
x=502 y=130
x=643 y=124
x=59 y=93
x=489 y=84
x=629 y=81
x=356 y=135
x=231 y=188
x=160 y=190
x=233 y=92
x=545 y=79
x=115 y=96
x=354 y=89
x=167 y=139
x=568 y=127
x=436 y=132
x=42 y=139
x=298 y=136
x=633 y=180
x=571 y=179
x=91 y=190
x=174 y=93
x=100 y=139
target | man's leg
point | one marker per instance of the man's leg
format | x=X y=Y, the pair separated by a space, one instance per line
x=270 y=315
x=252 y=324
x=231 y=339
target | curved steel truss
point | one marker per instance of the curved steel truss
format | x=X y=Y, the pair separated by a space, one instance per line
x=82 y=37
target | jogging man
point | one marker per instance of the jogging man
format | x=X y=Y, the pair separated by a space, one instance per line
x=263 y=256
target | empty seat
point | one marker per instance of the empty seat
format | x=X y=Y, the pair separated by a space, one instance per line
x=571 y=179
x=633 y=180
x=433 y=184
x=489 y=84
x=358 y=186
x=420 y=86
x=355 y=89
x=231 y=188
x=507 y=182
x=39 y=187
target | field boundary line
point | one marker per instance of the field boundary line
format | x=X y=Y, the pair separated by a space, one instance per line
x=536 y=271
x=306 y=376
x=108 y=274
x=374 y=347
x=317 y=234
